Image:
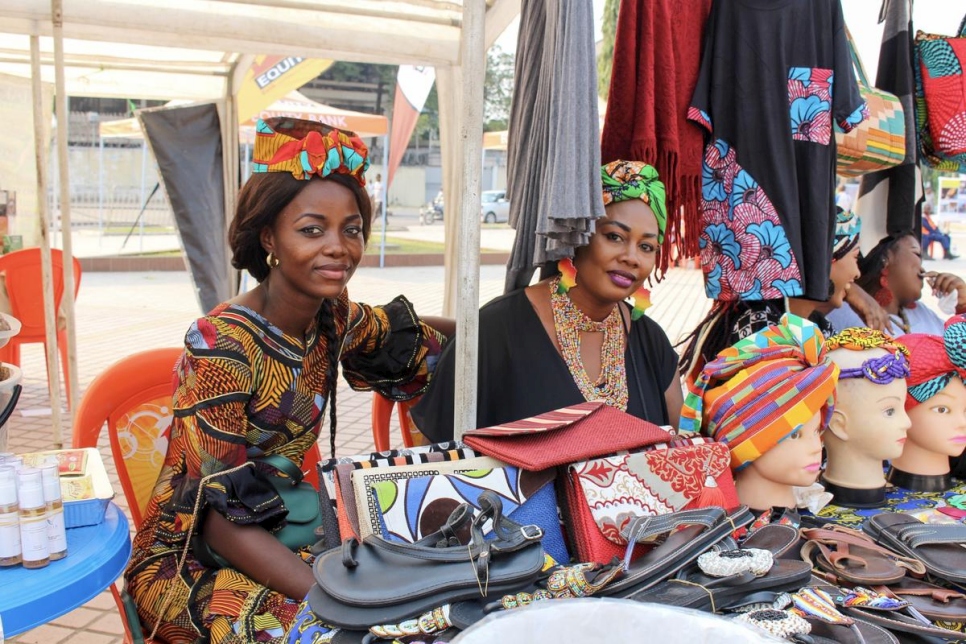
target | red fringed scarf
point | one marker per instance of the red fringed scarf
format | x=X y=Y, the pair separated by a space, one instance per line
x=657 y=56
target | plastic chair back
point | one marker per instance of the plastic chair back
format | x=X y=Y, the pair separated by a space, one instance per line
x=25 y=288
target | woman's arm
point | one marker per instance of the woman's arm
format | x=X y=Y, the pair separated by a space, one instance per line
x=446 y=326
x=865 y=306
x=674 y=398
x=254 y=551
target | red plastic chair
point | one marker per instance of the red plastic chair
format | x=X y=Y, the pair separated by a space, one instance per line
x=26 y=292
x=382 y=412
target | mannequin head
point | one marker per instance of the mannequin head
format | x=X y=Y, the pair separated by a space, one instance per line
x=869 y=423
x=936 y=401
x=768 y=398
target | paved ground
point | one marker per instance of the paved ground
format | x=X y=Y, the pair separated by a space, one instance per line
x=121 y=313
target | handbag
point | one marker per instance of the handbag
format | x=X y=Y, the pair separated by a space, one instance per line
x=406 y=510
x=879 y=141
x=303 y=523
x=603 y=496
x=939 y=95
x=375 y=581
x=566 y=435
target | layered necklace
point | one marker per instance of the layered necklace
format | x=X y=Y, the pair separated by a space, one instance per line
x=569 y=322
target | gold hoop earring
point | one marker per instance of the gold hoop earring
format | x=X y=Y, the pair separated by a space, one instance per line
x=271 y=260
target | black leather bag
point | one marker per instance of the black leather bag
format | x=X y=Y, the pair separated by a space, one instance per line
x=385 y=582
x=303 y=523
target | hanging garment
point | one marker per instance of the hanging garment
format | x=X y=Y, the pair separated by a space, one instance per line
x=657 y=55
x=774 y=73
x=889 y=201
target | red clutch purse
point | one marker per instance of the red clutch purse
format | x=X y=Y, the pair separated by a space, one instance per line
x=575 y=433
x=603 y=495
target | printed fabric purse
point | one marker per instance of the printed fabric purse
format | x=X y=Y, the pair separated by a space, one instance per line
x=879 y=141
x=939 y=98
x=303 y=523
x=409 y=509
x=603 y=495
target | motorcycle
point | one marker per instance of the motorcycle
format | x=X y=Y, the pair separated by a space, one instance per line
x=431 y=212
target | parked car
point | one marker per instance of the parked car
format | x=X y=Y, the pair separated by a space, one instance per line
x=495 y=207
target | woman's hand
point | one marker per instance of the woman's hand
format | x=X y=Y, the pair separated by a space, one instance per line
x=943 y=284
x=254 y=551
x=865 y=306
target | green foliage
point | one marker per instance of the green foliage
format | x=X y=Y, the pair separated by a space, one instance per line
x=605 y=55
x=497 y=89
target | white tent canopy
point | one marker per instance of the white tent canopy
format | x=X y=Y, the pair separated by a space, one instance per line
x=200 y=49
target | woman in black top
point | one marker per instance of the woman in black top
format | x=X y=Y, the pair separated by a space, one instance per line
x=572 y=338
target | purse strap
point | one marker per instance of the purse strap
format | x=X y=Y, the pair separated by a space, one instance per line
x=283 y=465
x=856 y=61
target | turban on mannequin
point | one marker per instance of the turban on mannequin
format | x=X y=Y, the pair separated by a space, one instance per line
x=935 y=360
x=761 y=390
x=881 y=370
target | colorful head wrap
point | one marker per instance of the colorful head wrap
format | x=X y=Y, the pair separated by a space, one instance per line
x=935 y=360
x=847 y=229
x=881 y=370
x=307 y=149
x=759 y=391
x=626 y=180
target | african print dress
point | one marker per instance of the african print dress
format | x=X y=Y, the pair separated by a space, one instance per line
x=246 y=389
x=776 y=77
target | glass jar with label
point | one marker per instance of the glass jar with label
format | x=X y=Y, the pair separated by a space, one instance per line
x=9 y=519
x=56 y=530
x=33 y=518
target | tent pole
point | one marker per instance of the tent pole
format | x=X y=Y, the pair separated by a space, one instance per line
x=46 y=268
x=144 y=178
x=385 y=197
x=100 y=187
x=472 y=57
x=63 y=120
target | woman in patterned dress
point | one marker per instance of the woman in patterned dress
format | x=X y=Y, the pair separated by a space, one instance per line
x=255 y=379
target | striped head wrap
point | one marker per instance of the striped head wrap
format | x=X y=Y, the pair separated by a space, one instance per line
x=881 y=370
x=307 y=149
x=626 y=180
x=847 y=229
x=935 y=360
x=759 y=391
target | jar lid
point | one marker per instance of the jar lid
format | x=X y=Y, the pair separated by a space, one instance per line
x=30 y=488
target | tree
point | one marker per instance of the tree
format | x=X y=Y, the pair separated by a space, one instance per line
x=497 y=89
x=605 y=55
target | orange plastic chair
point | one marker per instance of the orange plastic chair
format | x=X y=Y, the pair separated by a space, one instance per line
x=382 y=412
x=26 y=292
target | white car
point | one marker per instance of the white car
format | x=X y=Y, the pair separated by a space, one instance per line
x=495 y=207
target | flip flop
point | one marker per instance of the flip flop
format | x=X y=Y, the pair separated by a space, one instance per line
x=934 y=602
x=938 y=546
x=778 y=539
x=868 y=633
x=855 y=558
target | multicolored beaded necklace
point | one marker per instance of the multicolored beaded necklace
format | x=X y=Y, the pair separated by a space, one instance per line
x=569 y=322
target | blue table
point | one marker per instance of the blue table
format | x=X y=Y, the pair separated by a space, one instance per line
x=96 y=557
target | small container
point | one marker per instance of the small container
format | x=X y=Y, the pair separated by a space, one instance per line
x=56 y=532
x=12 y=460
x=33 y=518
x=9 y=519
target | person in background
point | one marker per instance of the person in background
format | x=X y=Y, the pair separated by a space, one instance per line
x=257 y=376
x=573 y=338
x=375 y=193
x=842 y=198
x=892 y=273
x=932 y=234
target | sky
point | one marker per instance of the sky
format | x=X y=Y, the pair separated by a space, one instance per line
x=861 y=16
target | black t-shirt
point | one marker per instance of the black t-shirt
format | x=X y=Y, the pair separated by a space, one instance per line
x=776 y=75
x=521 y=374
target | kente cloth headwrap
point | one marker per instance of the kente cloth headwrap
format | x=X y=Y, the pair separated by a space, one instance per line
x=847 y=229
x=935 y=360
x=626 y=180
x=882 y=369
x=308 y=149
x=759 y=391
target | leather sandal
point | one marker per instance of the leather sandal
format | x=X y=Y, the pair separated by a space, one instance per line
x=937 y=546
x=690 y=533
x=777 y=538
x=935 y=602
x=856 y=558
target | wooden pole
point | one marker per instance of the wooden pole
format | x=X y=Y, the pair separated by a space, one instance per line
x=63 y=117
x=473 y=64
x=46 y=269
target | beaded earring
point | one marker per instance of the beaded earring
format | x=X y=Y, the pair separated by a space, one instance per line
x=568 y=275
x=884 y=296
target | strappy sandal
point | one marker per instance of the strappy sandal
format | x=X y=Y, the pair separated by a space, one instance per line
x=777 y=538
x=856 y=558
x=937 y=546
x=936 y=603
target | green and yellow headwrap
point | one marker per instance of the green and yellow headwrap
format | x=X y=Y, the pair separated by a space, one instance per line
x=626 y=180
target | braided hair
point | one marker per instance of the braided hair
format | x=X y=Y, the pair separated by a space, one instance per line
x=260 y=203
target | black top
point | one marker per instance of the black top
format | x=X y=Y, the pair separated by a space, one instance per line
x=521 y=374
